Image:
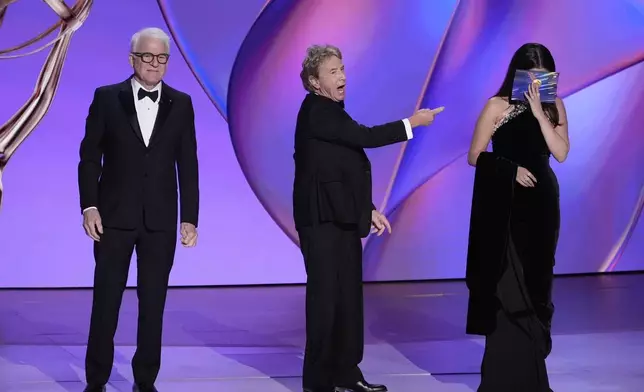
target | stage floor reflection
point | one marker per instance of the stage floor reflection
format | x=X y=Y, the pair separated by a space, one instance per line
x=251 y=338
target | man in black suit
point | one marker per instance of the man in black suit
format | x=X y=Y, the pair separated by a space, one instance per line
x=333 y=210
x=139 y=135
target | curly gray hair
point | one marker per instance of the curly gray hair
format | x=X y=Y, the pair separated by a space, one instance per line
x=315 y=56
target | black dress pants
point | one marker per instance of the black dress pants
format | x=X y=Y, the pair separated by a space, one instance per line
x=334 y=305
x=155 y=255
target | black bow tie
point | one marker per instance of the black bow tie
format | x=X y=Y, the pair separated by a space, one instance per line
x=153 y=95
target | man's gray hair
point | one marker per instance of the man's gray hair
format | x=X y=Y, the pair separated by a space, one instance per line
x=315 y=56
x=150 y=32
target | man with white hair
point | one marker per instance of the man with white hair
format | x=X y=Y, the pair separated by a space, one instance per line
x=139 y=138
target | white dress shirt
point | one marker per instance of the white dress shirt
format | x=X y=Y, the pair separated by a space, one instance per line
x=146 y=109
x=410 y=134
x=146 y=112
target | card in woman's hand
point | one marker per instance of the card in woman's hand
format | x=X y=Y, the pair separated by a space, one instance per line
x=547 y=84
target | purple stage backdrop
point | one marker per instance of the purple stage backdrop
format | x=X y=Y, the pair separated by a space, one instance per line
x=240 y=62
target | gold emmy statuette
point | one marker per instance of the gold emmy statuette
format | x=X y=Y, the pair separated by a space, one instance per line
x=27 y=118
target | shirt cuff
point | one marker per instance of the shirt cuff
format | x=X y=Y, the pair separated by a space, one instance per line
x=410 y=134
x=89 y=208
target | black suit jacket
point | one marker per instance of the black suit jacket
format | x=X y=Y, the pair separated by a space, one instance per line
x=127 y=180
x=332 y=172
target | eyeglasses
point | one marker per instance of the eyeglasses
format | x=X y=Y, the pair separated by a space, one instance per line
x=146 y=57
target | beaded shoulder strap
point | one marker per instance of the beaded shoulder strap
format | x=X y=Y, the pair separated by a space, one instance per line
x=509 y=114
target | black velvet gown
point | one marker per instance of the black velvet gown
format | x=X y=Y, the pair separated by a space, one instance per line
x=511 y=255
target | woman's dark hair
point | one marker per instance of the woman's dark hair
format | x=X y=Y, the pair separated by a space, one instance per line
x=527 y=57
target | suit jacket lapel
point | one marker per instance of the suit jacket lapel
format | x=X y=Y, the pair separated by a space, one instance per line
x=126 y=96
x=165 y=104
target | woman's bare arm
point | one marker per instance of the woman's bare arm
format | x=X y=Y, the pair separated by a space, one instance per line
x=484 y=129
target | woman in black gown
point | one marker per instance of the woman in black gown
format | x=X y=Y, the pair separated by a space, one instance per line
x=514 y=227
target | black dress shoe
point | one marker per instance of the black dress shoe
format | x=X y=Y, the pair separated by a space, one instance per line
x=94 y=388
x=362 y=386
x=143 y=388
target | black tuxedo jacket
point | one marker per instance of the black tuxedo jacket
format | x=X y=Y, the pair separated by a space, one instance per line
x=127 y=180
x=332 y=172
